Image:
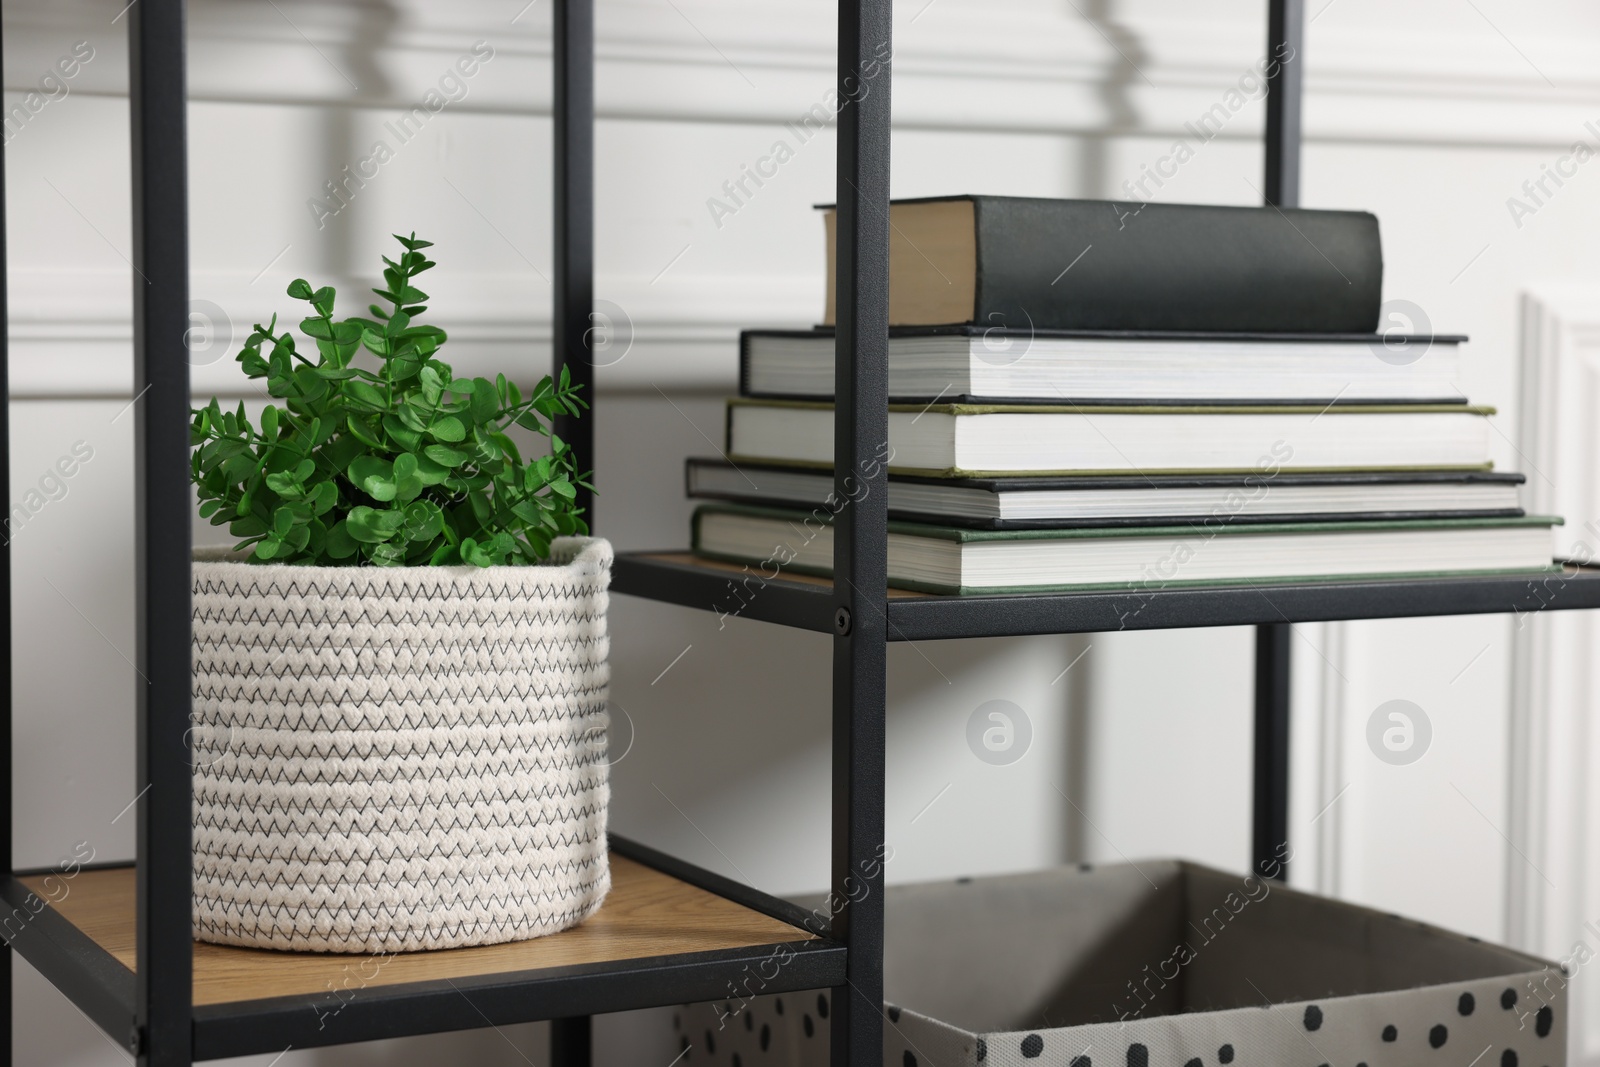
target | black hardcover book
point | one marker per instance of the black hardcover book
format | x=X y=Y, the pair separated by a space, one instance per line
x=1111 y=501
x=1021 y=263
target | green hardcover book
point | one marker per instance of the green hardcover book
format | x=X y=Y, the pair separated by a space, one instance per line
x=957 y=560
x=1003 y=439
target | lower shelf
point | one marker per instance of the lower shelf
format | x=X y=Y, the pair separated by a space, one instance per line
x=805 y=602
x=663 y=936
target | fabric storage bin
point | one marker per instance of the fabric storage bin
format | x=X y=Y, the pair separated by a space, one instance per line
x=1159 y=964
x=397 y=758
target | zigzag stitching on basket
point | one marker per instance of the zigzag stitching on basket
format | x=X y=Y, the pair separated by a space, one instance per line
x=272 y=827
x=216 y=834
x=468 y=792
x=487 y=900
x=404 y=644
x=366 y=773
x=317 y=916
x=439 y=745
x=373 y=585
x=210 y=880
x=476 y=694
x=238 y=603
x=447 y=932
x=311 y=618
x=416 y=666
x=453 y=933
x=440 y=718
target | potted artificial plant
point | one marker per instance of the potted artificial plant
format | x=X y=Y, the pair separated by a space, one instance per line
x=400 y=691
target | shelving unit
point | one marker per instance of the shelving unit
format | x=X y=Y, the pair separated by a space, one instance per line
x=118 y=942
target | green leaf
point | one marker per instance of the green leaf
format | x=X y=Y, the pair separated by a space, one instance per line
x=408 y=483
x=367 y=394
x=322 y=300
x=449 y=430
x=432 y=387
x=284 y=483
x=376 y=343
x=324 y=497
x=372 y=527
x=444 y=456
x=430 y=472
x=340 y=545
x=424 y=521
x=373 y=476
x=300 y=289
x=485 y=400
x=403 y=435
x=321 y=329
x=529 y=512
x=364 y=433
x=508 y=449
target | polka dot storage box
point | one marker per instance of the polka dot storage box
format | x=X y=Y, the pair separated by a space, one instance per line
x=388 y=759
x=1162 y=964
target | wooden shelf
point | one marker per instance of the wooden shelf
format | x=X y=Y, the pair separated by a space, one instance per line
x=657 y=939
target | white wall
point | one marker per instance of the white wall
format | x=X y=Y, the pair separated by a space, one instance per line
x=1431 y=114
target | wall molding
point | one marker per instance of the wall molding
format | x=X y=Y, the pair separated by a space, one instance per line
x=1553 y=862
x=74 y=338
x=1035 y=66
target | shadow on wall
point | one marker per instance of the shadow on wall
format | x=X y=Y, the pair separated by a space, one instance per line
x=1094 y=178
x=374 y=26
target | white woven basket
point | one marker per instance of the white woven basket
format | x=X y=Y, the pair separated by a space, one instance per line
x=403 y=758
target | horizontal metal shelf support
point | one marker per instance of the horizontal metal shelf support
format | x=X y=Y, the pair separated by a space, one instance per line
x=806 y=602
x=86 y=974
x=268 y=1026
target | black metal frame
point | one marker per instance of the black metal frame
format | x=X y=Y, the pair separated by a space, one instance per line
x=151 y=1010
x=1281 y=175
x=861 y=529
x=572 y=257
x=567 y=996
x=808 y=605
x=5 y=580
x=162 y=1030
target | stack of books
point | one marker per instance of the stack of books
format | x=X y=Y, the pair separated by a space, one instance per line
x=1086 y=395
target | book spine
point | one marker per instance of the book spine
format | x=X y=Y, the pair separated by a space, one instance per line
x=1100 y=265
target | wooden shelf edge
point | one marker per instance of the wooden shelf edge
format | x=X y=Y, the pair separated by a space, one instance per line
x=664 y=936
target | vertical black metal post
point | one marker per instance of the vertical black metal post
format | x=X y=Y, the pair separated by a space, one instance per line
x=1285 y=45
x=571 y=1041
x=5 y=592
x=1285 y=65
x=1270 y=829
x=573 y=258
x=861 y=542
x=163 y=1030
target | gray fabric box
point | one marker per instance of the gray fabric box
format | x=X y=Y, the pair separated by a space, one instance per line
x=1159 y=964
